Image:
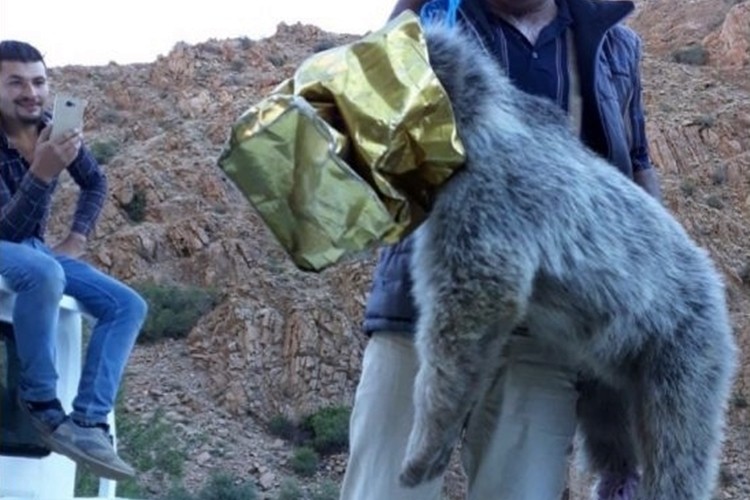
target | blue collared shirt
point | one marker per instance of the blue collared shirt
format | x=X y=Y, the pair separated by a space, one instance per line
x=541 y=68
x=25 y=200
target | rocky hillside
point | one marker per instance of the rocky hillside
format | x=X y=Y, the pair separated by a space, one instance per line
x=285 y=342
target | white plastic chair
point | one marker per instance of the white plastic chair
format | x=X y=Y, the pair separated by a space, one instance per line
x=53 y=476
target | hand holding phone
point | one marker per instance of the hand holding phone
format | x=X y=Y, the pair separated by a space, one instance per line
x=57 y=148
x=67 y=115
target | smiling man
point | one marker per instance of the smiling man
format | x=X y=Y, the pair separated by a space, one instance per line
x=30 y=163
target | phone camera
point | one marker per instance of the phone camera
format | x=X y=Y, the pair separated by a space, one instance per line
x=69 y=104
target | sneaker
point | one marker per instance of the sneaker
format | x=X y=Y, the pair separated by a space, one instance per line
x=91 y=447
x=88 y=446
x=45 y=417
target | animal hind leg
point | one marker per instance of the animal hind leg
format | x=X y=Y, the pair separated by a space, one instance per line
x=682 y=397
x=606 y=424
x=459 y=341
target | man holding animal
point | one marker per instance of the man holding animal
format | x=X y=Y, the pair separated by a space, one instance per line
x=576 y=54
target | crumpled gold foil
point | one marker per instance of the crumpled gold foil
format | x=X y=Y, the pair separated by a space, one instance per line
x=348 y=152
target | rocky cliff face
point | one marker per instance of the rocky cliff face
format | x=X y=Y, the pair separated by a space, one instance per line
x=730 y=44
x=283 y=341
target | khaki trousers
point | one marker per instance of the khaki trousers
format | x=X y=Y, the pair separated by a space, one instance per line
x=516 y=442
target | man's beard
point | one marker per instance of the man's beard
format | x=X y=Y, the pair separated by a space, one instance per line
x=30 y=120
x=26 y=119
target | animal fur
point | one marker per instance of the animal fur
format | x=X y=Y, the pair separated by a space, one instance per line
x=538 y=231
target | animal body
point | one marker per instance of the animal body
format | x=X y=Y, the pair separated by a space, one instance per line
x=538 y=232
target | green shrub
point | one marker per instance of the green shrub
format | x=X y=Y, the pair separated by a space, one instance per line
x=327 y=490
x=688 y=187
x=177 y=493
x=87 y=485
x=739 y=400
x=326 y=431
x=220 y=486
x=152 y=445
x=246 y=43
x=223 y=487
x=104 y=151
x=305 y=461
x=330 y=429
x=694 y=55
x=136 y=207
x=323 y=45
x=147 y=445
x=277 y=60
x=290 y=490
x=173 y=310
x=714 y=201
x=281 y=427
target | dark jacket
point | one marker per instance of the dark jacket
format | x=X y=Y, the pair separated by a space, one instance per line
x=612 y=125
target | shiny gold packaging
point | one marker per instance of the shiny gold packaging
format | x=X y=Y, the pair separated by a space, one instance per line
x=348 y=152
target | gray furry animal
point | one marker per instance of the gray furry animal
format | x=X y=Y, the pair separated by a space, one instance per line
x=539 y=232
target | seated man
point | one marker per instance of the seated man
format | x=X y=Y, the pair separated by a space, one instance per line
x=30 y=163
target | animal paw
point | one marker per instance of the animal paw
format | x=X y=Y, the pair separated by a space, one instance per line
x=425 y=464
x=617 y=487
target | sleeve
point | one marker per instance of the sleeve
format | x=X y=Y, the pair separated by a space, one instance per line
x=636 y=120
x=21 y=212
x=93 y=183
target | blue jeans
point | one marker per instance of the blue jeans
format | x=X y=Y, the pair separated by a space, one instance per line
x=40 y=278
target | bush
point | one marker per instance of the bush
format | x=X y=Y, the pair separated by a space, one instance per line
x=714 y=201
x=177 y=493
x=326 y=431
x=290 y=490
x=136 y=208
x=277 y=60
x=305 y=461
x=246 y=43
x=688 y=187
x=327 y=490
x=219 y=487
x=152 y=445
x=281 y=427
x=173 y=311
x=739 y=401
x=104 y=151
x=695 y=55
x=223 y=487
x=330 y=429
x=323 y=45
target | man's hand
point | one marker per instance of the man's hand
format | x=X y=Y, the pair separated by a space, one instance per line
x=72 y=246
x=52 y=157
x=649 y=181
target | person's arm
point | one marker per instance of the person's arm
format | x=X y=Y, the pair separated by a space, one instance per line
x=93 y=183
x=23 y=210
x=644 y=173
x=648 y=180
x=402 y=5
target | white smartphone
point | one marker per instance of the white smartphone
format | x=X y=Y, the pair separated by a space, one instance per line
x=67 y=115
